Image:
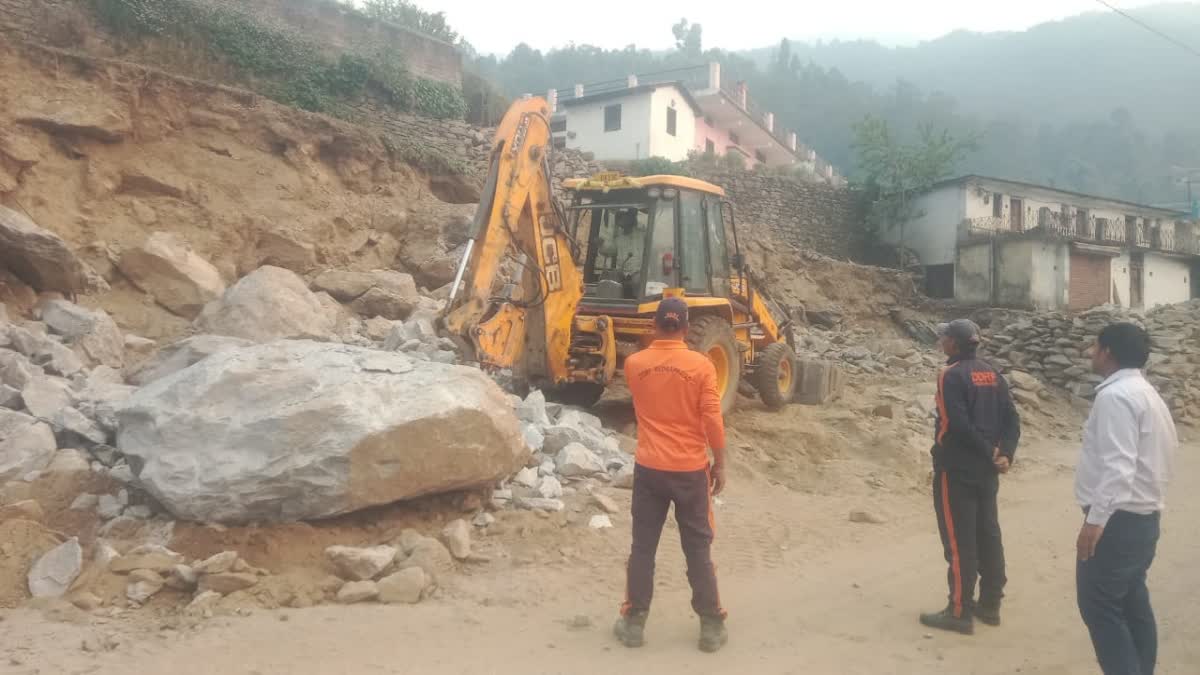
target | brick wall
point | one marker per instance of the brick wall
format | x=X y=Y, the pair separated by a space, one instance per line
x=814 y=216
x=1090 y=280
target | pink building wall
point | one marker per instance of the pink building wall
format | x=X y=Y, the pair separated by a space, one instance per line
x=721 y=141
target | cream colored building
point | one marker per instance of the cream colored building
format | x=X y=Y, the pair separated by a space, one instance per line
x=998 y=242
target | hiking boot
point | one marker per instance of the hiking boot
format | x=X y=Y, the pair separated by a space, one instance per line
x=713 y=634
x=631 y=629
x=945 y=620
x=988 y=612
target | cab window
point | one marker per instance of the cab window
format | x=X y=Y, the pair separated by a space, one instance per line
x=694 y=272
x=661 y=265
x=718 y=247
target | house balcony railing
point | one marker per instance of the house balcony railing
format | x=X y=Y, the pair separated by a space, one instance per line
x=1101 y=234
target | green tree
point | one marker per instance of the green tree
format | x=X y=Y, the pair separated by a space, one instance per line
x=893 y=172
x=405 y=13
x=688 y=38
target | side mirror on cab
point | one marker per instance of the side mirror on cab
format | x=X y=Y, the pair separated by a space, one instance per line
x=738 y=261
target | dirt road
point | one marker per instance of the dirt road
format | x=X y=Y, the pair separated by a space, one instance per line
x=808 y=592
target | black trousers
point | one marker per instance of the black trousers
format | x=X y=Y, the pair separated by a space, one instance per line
x=653 y=493
x=1113 y=598
x=969 y=522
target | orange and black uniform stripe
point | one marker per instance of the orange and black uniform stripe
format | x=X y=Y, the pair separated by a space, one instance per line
x=976 y=421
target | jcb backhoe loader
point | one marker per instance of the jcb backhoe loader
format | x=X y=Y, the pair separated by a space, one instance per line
x=562 y=295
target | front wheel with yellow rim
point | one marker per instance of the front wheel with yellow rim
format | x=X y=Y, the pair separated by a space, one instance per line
x=775 y=375
x=713 y=336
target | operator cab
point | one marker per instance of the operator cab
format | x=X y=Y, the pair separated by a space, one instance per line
x=640 y=236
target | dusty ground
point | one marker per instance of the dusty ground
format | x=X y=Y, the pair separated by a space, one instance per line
x=808 y=591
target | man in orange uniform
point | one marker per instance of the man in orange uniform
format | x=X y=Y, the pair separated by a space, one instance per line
x=679 y=418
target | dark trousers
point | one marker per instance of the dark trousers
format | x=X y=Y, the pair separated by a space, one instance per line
x=969 y=522
x=653 y=493
x=1113 y=598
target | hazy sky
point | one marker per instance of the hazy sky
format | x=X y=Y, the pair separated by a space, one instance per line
x=498 y=25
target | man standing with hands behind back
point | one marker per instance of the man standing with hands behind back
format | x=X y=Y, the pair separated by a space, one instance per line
x=1120 y=483
x=679 y=417
x=975 y=437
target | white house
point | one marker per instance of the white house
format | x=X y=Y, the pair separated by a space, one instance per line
x=648 y=120
x=672 y=114
x=992 y=241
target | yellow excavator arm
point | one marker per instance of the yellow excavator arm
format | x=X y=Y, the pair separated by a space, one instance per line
x=518 y=284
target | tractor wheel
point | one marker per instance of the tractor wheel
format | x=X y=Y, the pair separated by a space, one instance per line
x=775 y=376
x=713 y=336
x=581 y=394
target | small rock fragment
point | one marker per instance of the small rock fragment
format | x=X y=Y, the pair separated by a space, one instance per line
x=550 y=488
x=600 y=522
x=360 y=564
x=217 y=564
x=539 y=504
x=85 y=502
x=403 y=587
x=866 y=517
x=143 y=585
x=227 y=582
x=457 y=536
x=55 y=571
x=182 y=578
x=357 y=591
x=624 y=477
x=605 y=502
x=108 y=507
x=86 y=601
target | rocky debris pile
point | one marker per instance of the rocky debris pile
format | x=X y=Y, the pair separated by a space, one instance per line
x=59 y=390
x=862 y=352
x=402 y=572
x=296 y=430
x=571 y=452
x=1052 y=347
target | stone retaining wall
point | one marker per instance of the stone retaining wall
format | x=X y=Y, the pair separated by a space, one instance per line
x=814 y=216
x=1053 y=347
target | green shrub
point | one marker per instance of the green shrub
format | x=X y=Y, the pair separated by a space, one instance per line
x=280 y=62
x=653 y=166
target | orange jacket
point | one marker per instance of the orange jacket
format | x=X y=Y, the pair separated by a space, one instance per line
x=678 y=409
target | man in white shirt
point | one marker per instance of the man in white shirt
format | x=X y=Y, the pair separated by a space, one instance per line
x=1121 y=482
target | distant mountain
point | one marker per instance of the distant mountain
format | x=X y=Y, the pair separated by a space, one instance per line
x=1094 y=103
x=1068 y=70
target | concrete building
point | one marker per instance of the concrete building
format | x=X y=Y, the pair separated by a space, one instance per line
x=673 y=114
x=998 y=242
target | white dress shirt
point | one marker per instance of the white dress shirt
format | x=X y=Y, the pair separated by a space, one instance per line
x=1128 y=444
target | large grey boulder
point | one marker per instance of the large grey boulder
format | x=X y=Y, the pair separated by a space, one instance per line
x=26 y=444
x=93 y=333
x=297 y=430
x=41 y=258
x=386 y=293
x=270 y=303
x=179 y=355
x=166 y=267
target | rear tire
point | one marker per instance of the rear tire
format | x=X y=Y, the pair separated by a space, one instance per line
x=580 y=394
x=775 y=376
x=713 y=336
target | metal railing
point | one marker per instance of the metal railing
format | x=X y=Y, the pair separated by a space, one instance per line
x=1111 y=233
